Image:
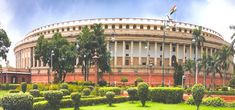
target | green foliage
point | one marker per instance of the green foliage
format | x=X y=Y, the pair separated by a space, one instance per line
x=231 y=92
x=103 y=90
x=190 y=101
x=9 y=86
x=14 y=91
x=110 y=97
x=64 y=86
x=102 y=83
x=38 y=99
x=166 y=94
x=35 y=92
x=4 y=44
x=213 y=101
x=178 y=73
x=64 y=55
x=35 y=86
x=76 y=99
x=225 y=88
x=137 y=80
x=124 y=79
x=198 y=91
x=23 y=87
x=53 y=98
x=143 y=90
x=188 y=90
x=86 y=91
x=132 y=92
x=232 y=82
x=65 y=92
x=42 y=105
x=17 y=101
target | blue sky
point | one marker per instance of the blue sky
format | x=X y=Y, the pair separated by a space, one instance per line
x=18 y=17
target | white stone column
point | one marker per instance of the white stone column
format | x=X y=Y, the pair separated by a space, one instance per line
x=115 y=53
x=132 y=52
x=190 y=51
x=184 y=53
x=201 y=51
x=211 y=51
x=155 y=54
x=107 y=46
x=148 y=54
x=206 y=51
x=170 y=50
x=33 y=57
x=177 y=52
x=140 y=53
x=123 y=53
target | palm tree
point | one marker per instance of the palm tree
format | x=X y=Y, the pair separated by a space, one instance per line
x=214 y=67
x=224 y=60
x=189 y=66
x=204 y=62
x=198 y=40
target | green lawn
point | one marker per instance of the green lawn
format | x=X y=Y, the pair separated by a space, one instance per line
x=150 y=106
x=3 y=92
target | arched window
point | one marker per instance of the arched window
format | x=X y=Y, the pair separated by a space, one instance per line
x=134 y=26
x=148 y=27
x=141 y=26
x=127 y=26
x=113 y=26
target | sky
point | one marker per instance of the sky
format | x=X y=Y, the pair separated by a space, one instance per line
x=18 y=17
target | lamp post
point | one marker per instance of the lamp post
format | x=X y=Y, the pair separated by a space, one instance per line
x=183 y=78
x=196 y=49
x=51 y=65
x=96 y=57
x=112 y=40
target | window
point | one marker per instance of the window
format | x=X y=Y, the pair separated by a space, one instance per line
x=127 y=55
x=173 y=49
x=141 y=26
x=161 y=27
x=120 y=26
x=160 y=56
x=160 y=48
x=180 y=30
x=113 y=26
x=134 y=26
x=79 y=27
x=53 y=31
x=185 y=30
x=62 y=29
x=173 y=29
x=144 y=63
x=127 y=47
x=160 y=63
x=67 y=29
x=190 y=31
x=74 y=28
x=155 y=27
x=148 y=27
x=185 y=50
x=106 y=26
x=127 y=26
x=23 y=79
x=126 y=62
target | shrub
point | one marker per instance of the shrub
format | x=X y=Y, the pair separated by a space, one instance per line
x=17 y=101
x=53 y=98
x=231 y=92
x=213 y=101
x=14 y=91
x=38 y=99
x=35 y=93
x=102 y=83
x=23 y=87
x=103 y=90
x=123 y=80
x=166 y=94
x=76 y=99
x=190 y=101
x=54 y=87
x=188 y=91
x=35 y=86
x=110 y=97
x=86 y=91
x=65 y=92
x=9 y=86
x=143 y=92
x=224 y=88
x=232 y=82
x=86 y=83
x=132 y=92
x=42 y=105
x=64 y=86
x=137 y=80
x=198 y=91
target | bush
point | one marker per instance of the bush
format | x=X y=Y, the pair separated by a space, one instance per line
x=9 y=86
x=64 y=86
x=110 y=97
x=23 y=87
x=143 y=92
x=76 y=99
x=35 y=86
x=54 y=87
x=86 y=83
x=17 y=101
x=42 y=105
x=102 y=83
x=188 y=91
x=166 y=94
x=38 y=99
x=232 y=82
x=124 y=79
x=132 y=92
x=190 y=101
x=225 y=88
x=86 y=91
x=103 y=90
x=65 y=92
x=231 y=92
x=198 y=91
x=35 y=93
x=213 y=101
x=14 y=91
x=137 y=80
x=53 y=98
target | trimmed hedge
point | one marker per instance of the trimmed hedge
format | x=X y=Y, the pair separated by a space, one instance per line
x=231 y=92
x=14 y=91
x=166 y=94
x=42 y=105
x=35 y=92
x=17 y=101
x=103 y=90
x=9 y=86
x=53 y=98
x=213 y=101
x=86 y=91
x=65 y=92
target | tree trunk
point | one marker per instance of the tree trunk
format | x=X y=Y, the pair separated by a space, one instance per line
x=224 y=75
x=214 y=81
x=205 y=78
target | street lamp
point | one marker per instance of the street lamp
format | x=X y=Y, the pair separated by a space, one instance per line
x=183 y=78
x=51 y=65
x=194 y=41
x=112 y=39
x=96 y=57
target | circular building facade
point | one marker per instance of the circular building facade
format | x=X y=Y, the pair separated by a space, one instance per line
x=135 y=45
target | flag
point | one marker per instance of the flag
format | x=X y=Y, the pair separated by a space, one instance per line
x=173 y=9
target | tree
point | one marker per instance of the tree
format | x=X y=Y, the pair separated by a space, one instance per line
x=110 y=97
x=189 y=66
x=204 y=62
x=64 y=57
x=178 y=74
x=76 y=97
x=123 y=80
x=198 y=92
x=4 y=44
x=143 y=90
x=89 y=42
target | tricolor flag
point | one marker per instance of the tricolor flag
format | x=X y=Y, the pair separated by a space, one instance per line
x=173 y=9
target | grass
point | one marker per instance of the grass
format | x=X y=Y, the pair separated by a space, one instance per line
x=3 y=92
x=149 y=106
